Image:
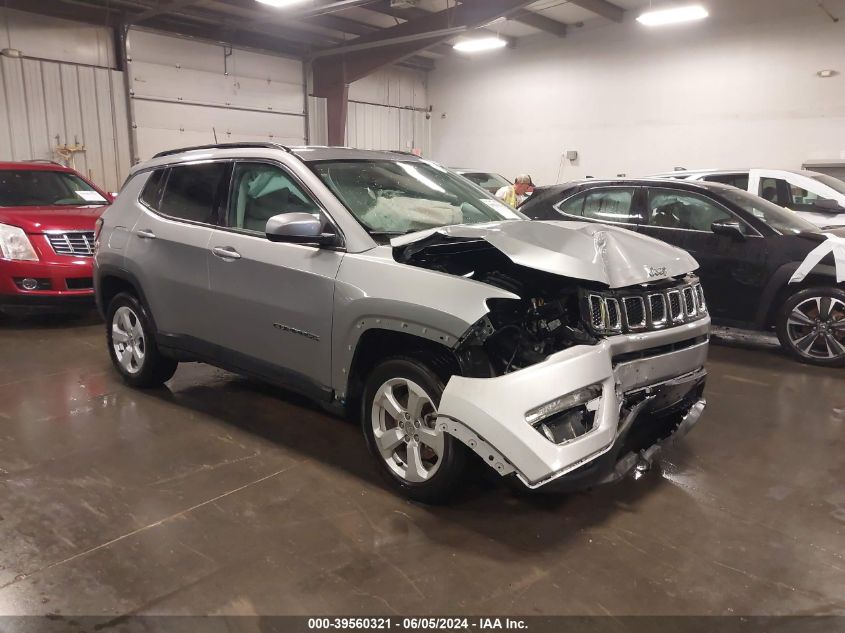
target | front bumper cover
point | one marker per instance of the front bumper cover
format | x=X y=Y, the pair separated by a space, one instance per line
x=649 y=380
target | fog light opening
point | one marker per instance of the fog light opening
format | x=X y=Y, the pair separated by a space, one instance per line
x=568 y=417
x=567 y=426
x=28 y=283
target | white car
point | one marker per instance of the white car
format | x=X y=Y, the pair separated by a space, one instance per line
x=819 y=198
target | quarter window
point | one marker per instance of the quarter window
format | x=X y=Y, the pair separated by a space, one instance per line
x=152 y=189
x=260 y=191
x=604 y=205
x=191 y=192
x=682 y=210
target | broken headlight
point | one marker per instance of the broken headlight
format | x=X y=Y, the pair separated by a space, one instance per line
x=567 y=417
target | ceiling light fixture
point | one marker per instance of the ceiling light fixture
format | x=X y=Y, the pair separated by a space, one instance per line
x=673 y=15
x=280 y=4
x=479 y=44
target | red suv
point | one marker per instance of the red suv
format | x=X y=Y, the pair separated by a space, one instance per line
x=48 y=215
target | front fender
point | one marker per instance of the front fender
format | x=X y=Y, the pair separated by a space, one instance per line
x=375 y=292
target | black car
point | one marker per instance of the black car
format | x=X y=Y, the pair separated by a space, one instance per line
x=748 y=250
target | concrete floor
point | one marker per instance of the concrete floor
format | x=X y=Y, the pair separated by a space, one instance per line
x=219 y=495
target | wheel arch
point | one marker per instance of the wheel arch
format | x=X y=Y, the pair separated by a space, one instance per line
x=779 y=290
x=111 y=281
x=379 y=343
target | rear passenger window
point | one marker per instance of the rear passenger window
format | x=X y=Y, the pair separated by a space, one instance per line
x=152 y=190
x=603 y=205
x=191 y=192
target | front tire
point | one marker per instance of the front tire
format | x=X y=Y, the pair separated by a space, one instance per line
x=811 y=326
x=399 y=411
x=132 y=346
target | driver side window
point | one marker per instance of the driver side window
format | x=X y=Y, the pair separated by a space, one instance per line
x=684 y=210
x=262 y=190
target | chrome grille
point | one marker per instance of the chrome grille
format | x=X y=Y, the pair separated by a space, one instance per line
x=637 y=310
x=634 y=312
x=676 y=312
x=74 y=243
x=690 y=309
x=657 y=307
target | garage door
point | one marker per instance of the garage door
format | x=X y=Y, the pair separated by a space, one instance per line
x=185 y=92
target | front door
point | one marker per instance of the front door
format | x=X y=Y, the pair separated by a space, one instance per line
x=274 y=301
x=733 y=272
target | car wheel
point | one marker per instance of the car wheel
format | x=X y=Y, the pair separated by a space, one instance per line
x=399 y=413
x=811 y=326
x=132 y=347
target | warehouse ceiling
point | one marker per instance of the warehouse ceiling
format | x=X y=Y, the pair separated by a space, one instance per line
x=316 y=27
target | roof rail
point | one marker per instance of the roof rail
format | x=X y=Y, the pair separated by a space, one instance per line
x=261 y=145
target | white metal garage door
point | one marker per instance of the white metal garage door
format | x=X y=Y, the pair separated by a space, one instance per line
x=45 y=105
x=183 y=91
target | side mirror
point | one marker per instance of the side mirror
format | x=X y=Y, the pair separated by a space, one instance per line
x=298 y=228
x=728 y=229
x=828 y=206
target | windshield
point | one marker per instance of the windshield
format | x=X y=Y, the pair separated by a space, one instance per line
x=395 y=197
x=782 y=220
x=834 y=183
x=490 y=182
x=42 y=188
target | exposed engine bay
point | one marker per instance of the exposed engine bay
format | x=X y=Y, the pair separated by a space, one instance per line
x=547 y=318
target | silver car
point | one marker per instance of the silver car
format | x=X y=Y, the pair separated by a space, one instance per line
x=386 y=287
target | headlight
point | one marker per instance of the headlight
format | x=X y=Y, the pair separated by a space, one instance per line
x=14 y=244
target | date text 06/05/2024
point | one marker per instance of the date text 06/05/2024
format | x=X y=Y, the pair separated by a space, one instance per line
x=417 y=624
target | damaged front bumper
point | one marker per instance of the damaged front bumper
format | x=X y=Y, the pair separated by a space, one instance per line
x=645 y=390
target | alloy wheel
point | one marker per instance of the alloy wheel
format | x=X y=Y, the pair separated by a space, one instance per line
x=128 y=340
x=816 y=328
x=403 y=418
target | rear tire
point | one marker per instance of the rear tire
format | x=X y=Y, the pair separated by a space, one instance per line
x=811 y=326
x=132 y=346
x=398 y=414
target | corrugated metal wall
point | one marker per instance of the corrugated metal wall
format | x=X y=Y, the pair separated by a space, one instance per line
x=184 y=90
x=46 y=104
x=371 y=126
x=387 y=110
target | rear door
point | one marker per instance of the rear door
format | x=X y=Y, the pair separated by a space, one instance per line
x=169 y=242
x=733 y=272
x=273 y=301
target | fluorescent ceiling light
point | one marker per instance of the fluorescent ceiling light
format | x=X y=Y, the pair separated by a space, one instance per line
x=480 y=44
x=673 y=15
x=281 y=4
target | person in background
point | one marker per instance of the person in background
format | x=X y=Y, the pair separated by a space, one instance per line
x=515 y=194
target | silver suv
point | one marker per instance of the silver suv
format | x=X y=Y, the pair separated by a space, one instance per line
x=385 y=286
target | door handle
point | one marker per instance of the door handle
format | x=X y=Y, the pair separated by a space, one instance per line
x=226 y=252
x=145 y=234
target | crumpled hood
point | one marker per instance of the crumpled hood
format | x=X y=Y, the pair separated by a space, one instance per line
x=582 y=250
